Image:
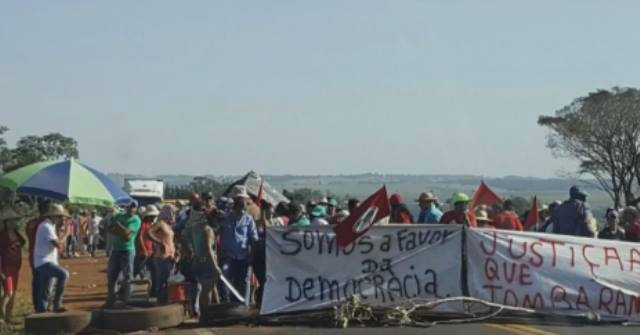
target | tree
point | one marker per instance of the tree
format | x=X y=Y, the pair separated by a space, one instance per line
x=4 y=151
x=32 y=149
x=303 y=195
x=602 y=132
x=198 y=185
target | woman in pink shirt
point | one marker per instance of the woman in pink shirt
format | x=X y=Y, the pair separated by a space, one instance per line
x=163 y=251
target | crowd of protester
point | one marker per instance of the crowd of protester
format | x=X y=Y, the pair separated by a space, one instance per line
x=206 y=239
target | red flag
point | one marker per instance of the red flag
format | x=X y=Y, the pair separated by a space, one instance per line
x=260 y=191
x=372 y=210
x=484 y=196
x=533 y=216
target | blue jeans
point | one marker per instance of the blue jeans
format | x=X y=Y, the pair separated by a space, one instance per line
x=34 y=289
x=162 y=270
x=45 y=273
x=235 y=270
x=119 y=261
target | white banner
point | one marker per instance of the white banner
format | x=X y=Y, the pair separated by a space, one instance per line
x=554 y=273
x=390 y=264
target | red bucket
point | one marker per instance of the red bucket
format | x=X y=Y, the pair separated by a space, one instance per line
x=177 y=292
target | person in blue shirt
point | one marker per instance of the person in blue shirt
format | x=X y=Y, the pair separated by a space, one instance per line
x=429 y=212
x=238 y=232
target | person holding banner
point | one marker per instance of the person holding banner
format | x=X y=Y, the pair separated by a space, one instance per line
x=238 y=232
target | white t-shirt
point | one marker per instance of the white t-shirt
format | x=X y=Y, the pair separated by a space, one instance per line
x=94 y=225
x=45 y=251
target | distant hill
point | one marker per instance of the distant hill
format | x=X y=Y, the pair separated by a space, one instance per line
x=410 y=186
x=363 y=184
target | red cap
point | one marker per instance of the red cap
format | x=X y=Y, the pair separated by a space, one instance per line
x=396 y=199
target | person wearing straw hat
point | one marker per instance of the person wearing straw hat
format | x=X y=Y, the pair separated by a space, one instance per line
x=238 y=234
x=429 y=212
x=11 y=243
x=45 y=259
x=482 y=218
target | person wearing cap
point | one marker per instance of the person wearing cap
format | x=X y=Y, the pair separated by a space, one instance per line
x=142 y=264
x=163 y=251
x=429 y=212
x=612 y=231
x=399 y=211
x=11 y=242
x=507 y=219
x=460 y=213
x=482 y=218
x=124 y=228
x=318 y=215
x=45 y=259
x=573 y=216
x=238 y=232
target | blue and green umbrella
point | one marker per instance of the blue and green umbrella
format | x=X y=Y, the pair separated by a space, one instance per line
x=68 y=181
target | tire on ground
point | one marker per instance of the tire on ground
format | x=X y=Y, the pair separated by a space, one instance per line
x=137 y=319
x=57 y=323
x=226 y=314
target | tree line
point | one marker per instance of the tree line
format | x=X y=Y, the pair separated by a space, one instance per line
x=602 y=132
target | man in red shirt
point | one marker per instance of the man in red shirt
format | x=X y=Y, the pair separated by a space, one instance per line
x=508 y=219
x=460 y=213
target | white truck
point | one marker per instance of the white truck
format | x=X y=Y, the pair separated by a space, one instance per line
x=145 y=191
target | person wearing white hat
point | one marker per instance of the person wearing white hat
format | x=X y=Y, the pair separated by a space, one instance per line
x=45 y=259
x=11 y=243
x=142 y=265
x=238 y=233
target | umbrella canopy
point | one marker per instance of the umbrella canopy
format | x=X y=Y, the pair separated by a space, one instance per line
x=252 y=182
x=68 y=181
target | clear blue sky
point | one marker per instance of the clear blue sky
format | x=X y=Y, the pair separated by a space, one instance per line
x=309 y=87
